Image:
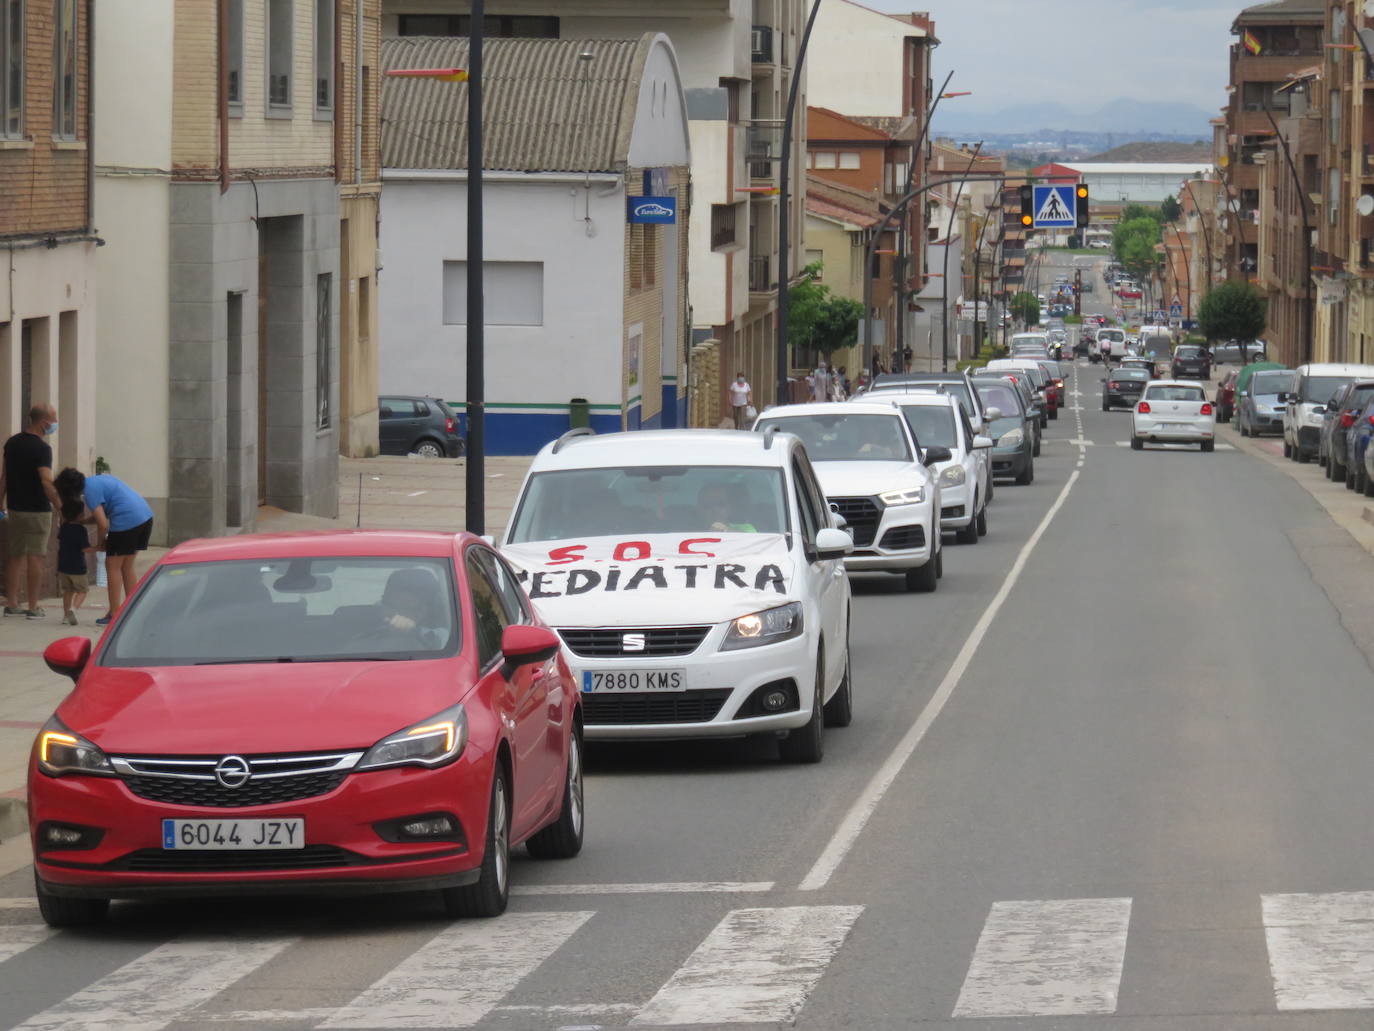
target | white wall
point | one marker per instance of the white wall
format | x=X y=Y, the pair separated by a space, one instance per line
x=660 y=137
x=854 y=62
x=578 y=350
x=133 y=84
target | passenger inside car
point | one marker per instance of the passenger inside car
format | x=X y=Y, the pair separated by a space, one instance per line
x=718 y=506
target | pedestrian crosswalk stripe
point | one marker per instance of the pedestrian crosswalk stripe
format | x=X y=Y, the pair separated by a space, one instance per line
x=29 y=903
x=1321 y=950
x=17 y=938
x=161 y=985
x=461 y=974
x=756 y=966
x=646 y=888
x=1054 y=957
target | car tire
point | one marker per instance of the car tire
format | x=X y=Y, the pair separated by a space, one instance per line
x=1054 y=413
x=1300 y=456
x=1044 y=420
x=839 y=711
x=1208 y=445
x=61 y=911
x=488 y=896
x=428 y=448
x=806 y=744
x=562 y=839
x=969 y=534
x=985 y=504
x=1035 y=449
x=1137 y=444
x=1026 y=475
x=1244 y=431
x=1106 y=407
x=940 y=563
x=1367 y=486
x=1287 y=448
x=1334 y=471
x=1350 y=478
x=924 y=578
x=982 y=520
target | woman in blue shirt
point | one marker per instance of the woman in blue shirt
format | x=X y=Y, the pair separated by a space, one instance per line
x=124 y=523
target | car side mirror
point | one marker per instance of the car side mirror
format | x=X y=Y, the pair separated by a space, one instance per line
x=832 y=543
x=524 y=645
x=68 y=656
x=992 y=414
x=935 y=455
x=981 y=442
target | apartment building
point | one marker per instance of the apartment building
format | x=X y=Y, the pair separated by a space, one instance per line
x=737 y=59
x=48 y=239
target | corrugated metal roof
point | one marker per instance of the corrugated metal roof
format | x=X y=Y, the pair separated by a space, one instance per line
x=545 y=109
x=1137 y=167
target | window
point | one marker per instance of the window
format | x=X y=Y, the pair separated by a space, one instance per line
x=489 y=615
x=1333 y=115
x=64 y=70
x=513 y=293
x=650 y=255
x=526 y=26
x=507 y=586
x=824 y=159
x=234 y=73
x=722 y=226
x=279 y=46
x=324 y=55
x=324 y=325
x=11 y=68
x=849 y=159
x=635 y=259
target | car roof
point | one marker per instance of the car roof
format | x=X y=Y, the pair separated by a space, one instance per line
x=662 y=447
x=860 y=407
x=933 y=398
x=321 y=544
x=1335 y=369
x=1176 y=383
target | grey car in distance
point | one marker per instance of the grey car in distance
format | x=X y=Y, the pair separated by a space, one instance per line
x=1258 y=408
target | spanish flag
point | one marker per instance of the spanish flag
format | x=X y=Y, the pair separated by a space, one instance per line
x=1251 y=43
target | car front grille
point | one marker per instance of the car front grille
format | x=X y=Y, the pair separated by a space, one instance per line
x=861 y=515
x=655 y=641
x=602 y=710
x=157 y=860
x=272 y=779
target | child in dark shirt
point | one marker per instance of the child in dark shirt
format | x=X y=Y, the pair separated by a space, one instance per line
x=72 y=545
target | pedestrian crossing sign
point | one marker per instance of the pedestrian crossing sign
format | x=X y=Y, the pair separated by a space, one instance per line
x=1055 y=207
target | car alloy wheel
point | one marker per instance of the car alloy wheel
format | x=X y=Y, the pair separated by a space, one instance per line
x=806 y=744
x=562 y=839
x=429 y=449
x=489 y=895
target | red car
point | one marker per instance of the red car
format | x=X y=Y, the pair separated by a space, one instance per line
x=308 y=713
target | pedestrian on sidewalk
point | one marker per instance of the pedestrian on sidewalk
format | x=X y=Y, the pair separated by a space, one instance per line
x=741 y=400
x=73 y=544
x=820 y=382
x=26 y=485
x=124 y=524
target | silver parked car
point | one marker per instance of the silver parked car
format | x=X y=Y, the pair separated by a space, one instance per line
x=1258 y=408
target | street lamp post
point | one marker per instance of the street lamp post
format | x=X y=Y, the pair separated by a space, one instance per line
x=944 y=283
x=1206 y=236
x=1187 y=272
x=784 y=217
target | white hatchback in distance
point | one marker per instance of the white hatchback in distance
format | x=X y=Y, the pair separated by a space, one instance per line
x=697 y=581
x=1172 y=412
x=877 y=479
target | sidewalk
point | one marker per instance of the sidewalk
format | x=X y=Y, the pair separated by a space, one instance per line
x=396 y=493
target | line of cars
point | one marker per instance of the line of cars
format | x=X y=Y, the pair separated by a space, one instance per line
x=374 y=711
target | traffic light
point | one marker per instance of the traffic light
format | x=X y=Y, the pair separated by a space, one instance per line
x=1081 y=191
x=1027 y=207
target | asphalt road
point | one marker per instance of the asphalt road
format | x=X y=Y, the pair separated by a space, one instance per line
x=1113 y=773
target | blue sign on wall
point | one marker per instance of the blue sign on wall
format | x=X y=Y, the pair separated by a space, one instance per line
x=652 y=210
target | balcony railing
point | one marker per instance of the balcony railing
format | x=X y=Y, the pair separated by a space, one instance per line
x=760 y=273
x=761 y=44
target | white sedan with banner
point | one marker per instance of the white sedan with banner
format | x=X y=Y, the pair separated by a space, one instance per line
x=697 y=581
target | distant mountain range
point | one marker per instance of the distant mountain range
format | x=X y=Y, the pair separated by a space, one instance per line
x=1125 y=116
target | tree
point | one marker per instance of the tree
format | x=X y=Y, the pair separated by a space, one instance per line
x=1135 y=211
x=1026 y=307
x=1235 y=310
x=1170 y=210
x=1133 y=242
x=818 y=320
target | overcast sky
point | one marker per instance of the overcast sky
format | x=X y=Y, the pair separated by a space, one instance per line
x=1082 y=53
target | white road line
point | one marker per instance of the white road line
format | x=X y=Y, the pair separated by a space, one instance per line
x=756 y=966
x=858 y=814
x=461 y=974
x=160 y=986
x=1055 y=957
x=28 y=903
x=1321 y=950
x=416 y=494
x=17 y=938
x=663 y=888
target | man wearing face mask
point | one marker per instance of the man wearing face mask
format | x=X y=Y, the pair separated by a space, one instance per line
x=741 y=399
x=27 y=491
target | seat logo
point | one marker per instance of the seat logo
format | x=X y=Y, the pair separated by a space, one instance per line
x=233 y=771
x=632 y=642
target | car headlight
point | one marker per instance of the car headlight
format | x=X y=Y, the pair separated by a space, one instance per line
x=436 y=741
x=952 y=476
x=903 y=496
x=767 y=627
x=1012 y=438
x=60 y=751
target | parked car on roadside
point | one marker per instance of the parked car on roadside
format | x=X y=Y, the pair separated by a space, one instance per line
x=958 y=384
x=1013 y=432
x=1359 y=455
x=938 y=420
x=1306 y=404
x=1225 y=400
x=1171 y=412
x=423 y=426
x=1038 y=381
x=1236 y=352
x=1259 y=409
x=1341 y=412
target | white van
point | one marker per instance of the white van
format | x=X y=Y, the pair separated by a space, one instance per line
x=1313 y=386
x=1111 y=343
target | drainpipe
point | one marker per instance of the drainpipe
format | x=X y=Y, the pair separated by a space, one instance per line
x=90 y=118
x=357 y=92
x=222 y=99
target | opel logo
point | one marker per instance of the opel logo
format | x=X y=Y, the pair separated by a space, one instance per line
x=233 y=771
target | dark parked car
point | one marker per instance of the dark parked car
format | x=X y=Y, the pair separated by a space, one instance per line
x=1191 y=360
x=1014 y=433
x=1226 y=396
x=1339 y=423
x=417 y=425
x=1359 y=454
x=1122 y=388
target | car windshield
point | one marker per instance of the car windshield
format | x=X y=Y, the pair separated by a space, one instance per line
x=847 y=436
x=1174 y=393
x=1318 y=389
x=1271 y=383
x=932 y=425
x=289 y=610
x=955 y=388
x=995 y=395
x=571 y=503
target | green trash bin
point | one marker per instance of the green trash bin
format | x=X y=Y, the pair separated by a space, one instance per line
x=579 y=413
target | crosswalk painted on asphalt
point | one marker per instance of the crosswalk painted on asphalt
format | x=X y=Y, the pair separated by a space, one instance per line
x=1048 y=958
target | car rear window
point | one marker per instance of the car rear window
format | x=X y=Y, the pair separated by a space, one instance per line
x=308 y=609
x=1174 y=393
x=1122 y=375
x=1188 y=352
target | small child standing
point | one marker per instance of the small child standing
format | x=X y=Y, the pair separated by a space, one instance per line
x=72 y=545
